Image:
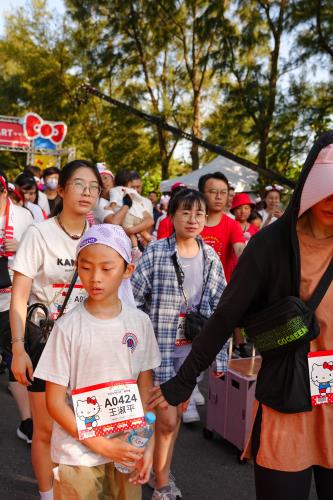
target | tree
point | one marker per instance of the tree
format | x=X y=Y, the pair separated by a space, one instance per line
x=40 y=72
x=315 y=18
x=259 y=115
x=144 y=65
x=195 y=26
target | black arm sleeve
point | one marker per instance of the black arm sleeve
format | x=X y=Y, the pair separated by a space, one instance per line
x=245 y=287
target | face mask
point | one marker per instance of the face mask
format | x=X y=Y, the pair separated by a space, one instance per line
x=52 y=183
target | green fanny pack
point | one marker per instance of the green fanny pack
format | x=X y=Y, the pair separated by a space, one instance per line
x=282 y=333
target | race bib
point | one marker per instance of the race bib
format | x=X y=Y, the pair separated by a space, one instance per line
x=180 y=336
x=108 y=408
x=77 y=296
x=321 y=377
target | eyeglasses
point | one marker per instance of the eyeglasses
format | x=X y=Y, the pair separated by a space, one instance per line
x=216 y=192
x=187 y=216
x=80 y=187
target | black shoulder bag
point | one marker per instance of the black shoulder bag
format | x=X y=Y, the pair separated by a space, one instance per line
x=282 y=333
x=5 y=281
x=36 y=336
x=194 y=320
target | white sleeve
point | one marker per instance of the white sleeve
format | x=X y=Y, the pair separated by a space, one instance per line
x=43 y=202
x=28 y=219
x=148 y=206
x=54 y=364
x=152 y=355
x=30 y=253
x=101 y=213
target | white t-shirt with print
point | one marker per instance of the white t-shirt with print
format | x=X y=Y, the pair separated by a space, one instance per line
x=21 y=219
x=83 y=350
x=47 y=255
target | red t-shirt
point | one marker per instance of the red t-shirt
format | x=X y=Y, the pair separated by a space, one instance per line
x=250 y=231
x=221 y=238
x=165 y=229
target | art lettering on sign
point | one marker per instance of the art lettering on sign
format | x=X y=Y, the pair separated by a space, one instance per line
x=107 y=408
x=321 y=377
x=12 y=134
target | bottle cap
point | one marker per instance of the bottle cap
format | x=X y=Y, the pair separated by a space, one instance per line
x=150 y=417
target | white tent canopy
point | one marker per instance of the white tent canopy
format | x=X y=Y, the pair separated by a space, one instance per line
x=242 y=178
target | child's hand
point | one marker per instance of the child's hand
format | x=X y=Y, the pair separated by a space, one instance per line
x=143 y=468
x=157 y=399
x=122 y=452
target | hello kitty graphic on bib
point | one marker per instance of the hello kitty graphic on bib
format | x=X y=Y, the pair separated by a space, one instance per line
x=321 y=377
x=108 y=408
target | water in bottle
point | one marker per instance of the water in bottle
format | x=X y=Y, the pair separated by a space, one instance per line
x=139 y=438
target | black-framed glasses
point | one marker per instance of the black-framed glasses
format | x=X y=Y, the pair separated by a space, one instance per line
x=216 y=192
x=199 y=217
x=80 y=187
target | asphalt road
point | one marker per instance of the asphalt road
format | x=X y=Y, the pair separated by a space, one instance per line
x=205 y=470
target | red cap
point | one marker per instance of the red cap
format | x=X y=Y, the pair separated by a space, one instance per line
x=241 y=199
x=178 y=185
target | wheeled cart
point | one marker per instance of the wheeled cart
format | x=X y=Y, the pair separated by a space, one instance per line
x=230 y=401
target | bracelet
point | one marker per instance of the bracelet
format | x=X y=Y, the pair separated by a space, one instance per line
x=17 y=339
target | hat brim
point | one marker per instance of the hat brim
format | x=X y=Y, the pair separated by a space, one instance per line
x=317 y=187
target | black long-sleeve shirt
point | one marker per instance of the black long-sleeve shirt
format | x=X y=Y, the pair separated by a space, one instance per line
x=268 y=270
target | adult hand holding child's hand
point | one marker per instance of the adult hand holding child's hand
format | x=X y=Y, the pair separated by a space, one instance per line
x=157 y=400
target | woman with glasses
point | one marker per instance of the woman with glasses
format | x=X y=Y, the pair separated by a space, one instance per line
x=43 y=269
x=175 y=275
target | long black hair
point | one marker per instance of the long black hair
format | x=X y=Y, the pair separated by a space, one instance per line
x=67 y=173
x=27 y=181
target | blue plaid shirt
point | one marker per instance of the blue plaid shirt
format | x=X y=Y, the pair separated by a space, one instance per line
x=157 y=292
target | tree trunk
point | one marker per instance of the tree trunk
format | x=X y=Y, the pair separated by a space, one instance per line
x=165 y=159
x=273 y=78
x=196 y=129
x=262 y=155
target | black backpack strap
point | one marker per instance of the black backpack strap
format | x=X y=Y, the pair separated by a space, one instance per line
x=322 y=288
x=68 y=294
x=179 y=276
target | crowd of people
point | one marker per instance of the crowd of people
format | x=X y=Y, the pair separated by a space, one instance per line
x=132 y=270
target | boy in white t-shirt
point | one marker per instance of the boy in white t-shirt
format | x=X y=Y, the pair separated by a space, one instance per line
x=101 y=340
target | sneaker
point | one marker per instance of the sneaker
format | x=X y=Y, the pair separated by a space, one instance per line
x=164 y=493
x=191 y=415
x=25 y=430
x=172 y=483
x=198 y=397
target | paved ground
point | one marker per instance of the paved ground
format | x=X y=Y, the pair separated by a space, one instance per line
x=204 y=469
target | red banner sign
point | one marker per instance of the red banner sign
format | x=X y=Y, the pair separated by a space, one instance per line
x=12 y=134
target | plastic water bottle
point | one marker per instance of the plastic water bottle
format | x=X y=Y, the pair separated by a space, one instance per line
x=139 y=438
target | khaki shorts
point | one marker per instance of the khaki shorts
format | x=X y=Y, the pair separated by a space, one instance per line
x=102 y=482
